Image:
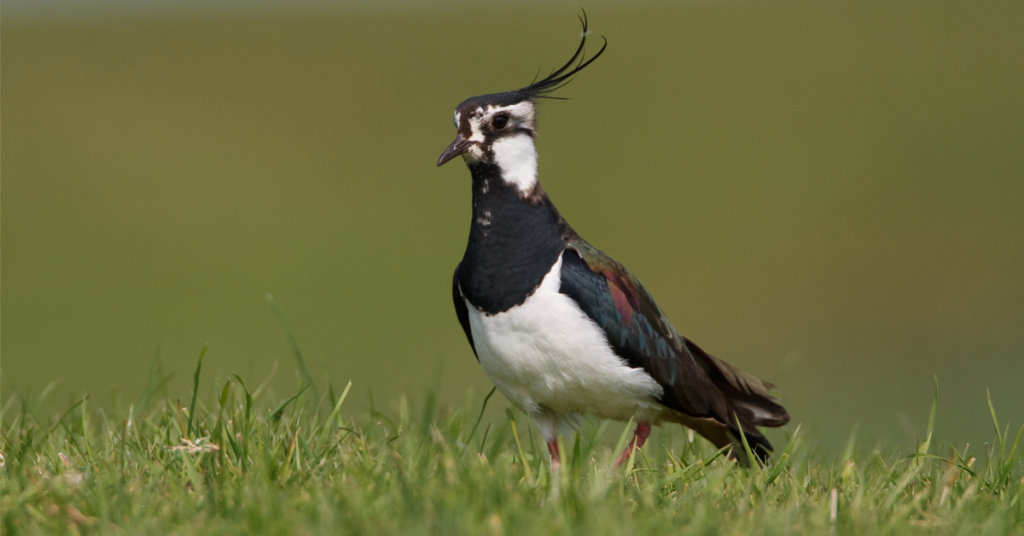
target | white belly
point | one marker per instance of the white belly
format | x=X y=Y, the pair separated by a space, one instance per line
x=547 y=355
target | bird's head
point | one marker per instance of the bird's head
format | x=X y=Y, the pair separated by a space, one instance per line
x=499 y=128
x=488 y=123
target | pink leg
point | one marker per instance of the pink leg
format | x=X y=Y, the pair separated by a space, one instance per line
x=643 y=431
x=555 y=458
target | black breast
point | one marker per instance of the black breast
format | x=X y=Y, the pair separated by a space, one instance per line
x=513 y=242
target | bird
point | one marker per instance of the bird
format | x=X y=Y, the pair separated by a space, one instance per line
x=561 y=328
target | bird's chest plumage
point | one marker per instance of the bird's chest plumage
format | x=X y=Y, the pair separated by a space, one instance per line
x=547 y=354
x=512 y=245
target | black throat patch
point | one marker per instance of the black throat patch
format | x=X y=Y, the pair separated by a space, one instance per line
x=513 y=242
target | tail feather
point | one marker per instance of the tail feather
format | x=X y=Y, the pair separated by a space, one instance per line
x=749 y=403
x=759 y=445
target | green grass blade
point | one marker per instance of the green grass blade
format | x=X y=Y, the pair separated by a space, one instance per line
x=224 y=394
x=851 y=443
x=279 y=410
x=296 y=349
x=151 y=383
x=924 y=446
x=60 y=420
x=782 y=463
x=330 y=419
x=41 y=398
x=577 y=459
x=995 y=423
x=195 y=390
x=481 y=416
x=751 y=460
x=519 y=447
x=1013 y=451
x=246 y=421
x=621 y=443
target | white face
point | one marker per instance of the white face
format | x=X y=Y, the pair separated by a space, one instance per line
x=503 y=135
x=488 y=125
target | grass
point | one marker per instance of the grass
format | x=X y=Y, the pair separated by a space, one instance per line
x=246 y=463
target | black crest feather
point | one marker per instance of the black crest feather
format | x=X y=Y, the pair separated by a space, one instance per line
x=562 y=76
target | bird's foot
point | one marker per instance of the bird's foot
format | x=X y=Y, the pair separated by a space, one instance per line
x=643 y=431
x=555 y=458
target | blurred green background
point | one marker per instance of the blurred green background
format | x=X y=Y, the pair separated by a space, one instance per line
x=828 y=194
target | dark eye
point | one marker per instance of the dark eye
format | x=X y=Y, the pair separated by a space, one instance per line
x=500 y=121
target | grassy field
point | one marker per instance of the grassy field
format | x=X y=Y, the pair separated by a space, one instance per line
x=246 y=462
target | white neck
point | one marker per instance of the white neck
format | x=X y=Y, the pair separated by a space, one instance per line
x=516 y=157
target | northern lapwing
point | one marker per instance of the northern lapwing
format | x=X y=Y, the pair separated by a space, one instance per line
x=560 y=327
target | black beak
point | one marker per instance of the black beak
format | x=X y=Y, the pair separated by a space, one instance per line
x=458 y=147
